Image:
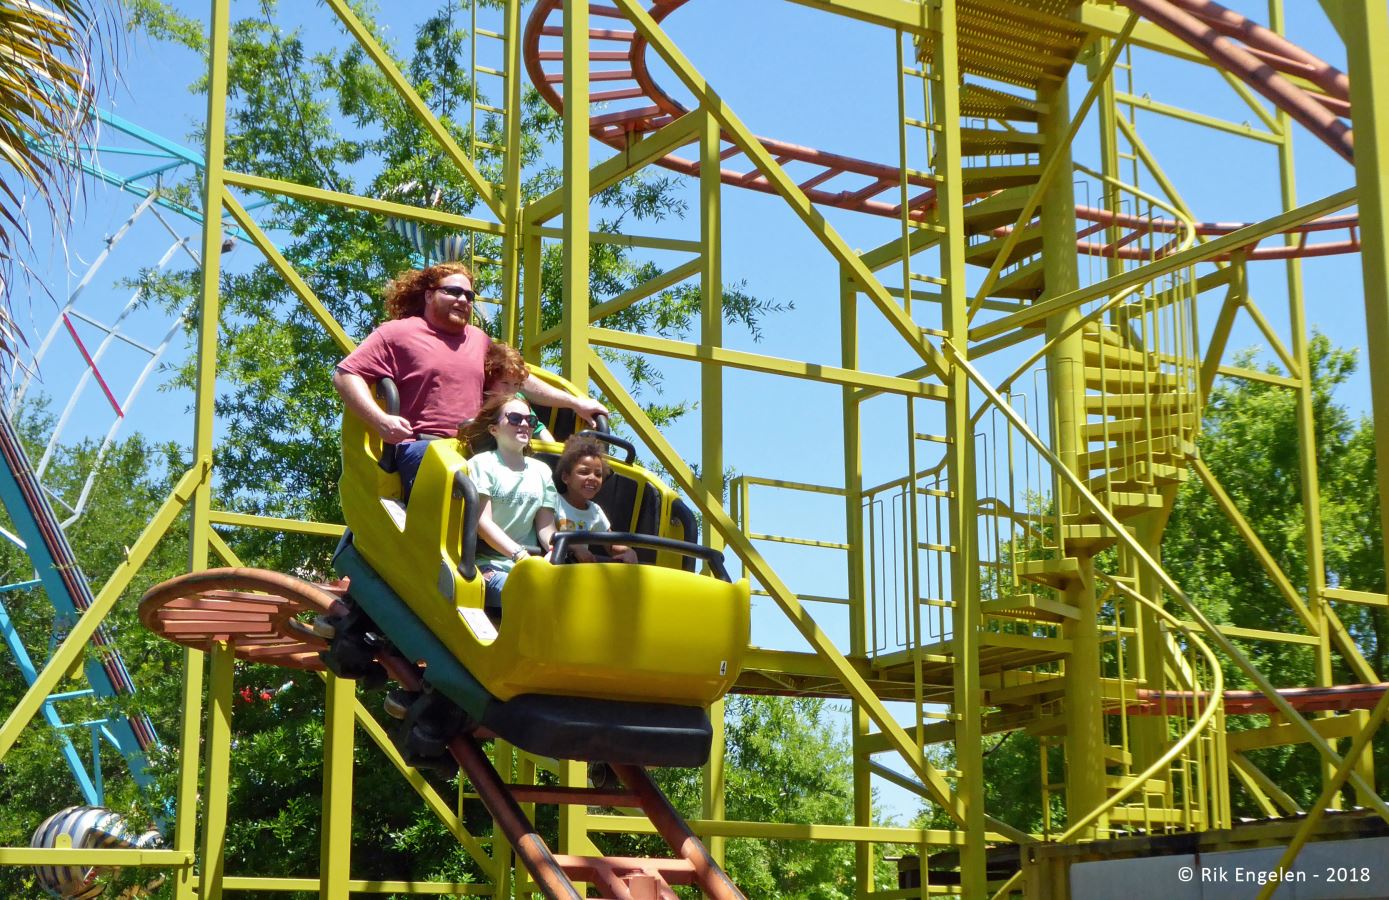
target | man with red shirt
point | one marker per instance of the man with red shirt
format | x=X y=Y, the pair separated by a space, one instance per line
x=435 y=355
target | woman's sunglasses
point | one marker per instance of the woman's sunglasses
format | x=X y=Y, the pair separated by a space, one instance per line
x=530 y=419
x=455 y=292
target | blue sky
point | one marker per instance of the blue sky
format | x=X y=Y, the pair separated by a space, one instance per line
x=795 y=74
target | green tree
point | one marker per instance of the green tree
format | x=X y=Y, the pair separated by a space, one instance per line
x=1249 y=440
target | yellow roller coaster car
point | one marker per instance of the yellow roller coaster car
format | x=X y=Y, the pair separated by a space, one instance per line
x=596 y=661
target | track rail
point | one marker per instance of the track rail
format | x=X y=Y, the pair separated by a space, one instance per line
x=264 y=616
x=629 y=102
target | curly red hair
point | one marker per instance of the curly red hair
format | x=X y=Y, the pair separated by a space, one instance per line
x=504 y=362
x=405 y=292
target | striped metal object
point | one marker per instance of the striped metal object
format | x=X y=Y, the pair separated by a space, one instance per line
x=87 y=827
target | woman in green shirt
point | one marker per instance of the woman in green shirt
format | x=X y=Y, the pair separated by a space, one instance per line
x=517 y=492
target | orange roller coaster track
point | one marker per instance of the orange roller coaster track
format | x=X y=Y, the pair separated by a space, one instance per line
x=1257 y=56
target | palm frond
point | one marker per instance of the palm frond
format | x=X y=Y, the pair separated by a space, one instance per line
x=52 y=57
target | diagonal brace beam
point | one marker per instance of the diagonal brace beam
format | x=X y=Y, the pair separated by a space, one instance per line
x=417 y=105
x=737 y=132
x=1343 y=640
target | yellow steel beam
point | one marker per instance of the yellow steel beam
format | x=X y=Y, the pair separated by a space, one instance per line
x=1224 y=324
x=358 y=886
x=72 y=646
x=959 y=456
x=1259 y=634
x=288 y=273
x=416 y=104
x=511 y=188
x=335 y=838
x=1254 y=103
x=711 y=411
x=908 y=15
x=756 y=362
x=635 y=156
x=575 y=354
x=1362 y=25
x=1265 y=790
x=1342 y=638
x=103 y=857
x=625 y=240
x=1365 y=598
x=190 y=738
x=274 y=523
x=790 y=831
x=200 y=499
x=1245 y=236
x=216 y=771
x=1282 y=734
x=355 y=201
x=1243 y=129
x=1299 y=365
x=735 y=131
x=626 y=298
x=1291 y=364
x=1256 y=375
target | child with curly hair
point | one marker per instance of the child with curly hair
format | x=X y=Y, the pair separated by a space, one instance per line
x=579 y=475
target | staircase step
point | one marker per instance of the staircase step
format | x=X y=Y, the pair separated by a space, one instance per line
x=997 y=142
x=1113 y=429
x=1150 y=787
x=1029 y=607
x=996 y=210
x=1169 y=449
x=981 y=179
x=1051 y=572
x=977 y=101
x=1138 y=476
x=1096 y=331
x=1139 y=403
x=1026 y=282
x=1028 y=244
x=1099 y=352
x=1125 y=504
x=1112 y=379
x=1092 y=537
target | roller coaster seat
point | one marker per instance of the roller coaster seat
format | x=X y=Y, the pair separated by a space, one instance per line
x=638 y=633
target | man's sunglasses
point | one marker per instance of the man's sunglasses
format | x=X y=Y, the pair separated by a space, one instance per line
x=530 y=419
x=455 y=292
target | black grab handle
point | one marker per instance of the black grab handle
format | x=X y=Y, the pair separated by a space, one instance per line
x=465 y=490
x=612 y=440
x=714 y=558
x=391 y=397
